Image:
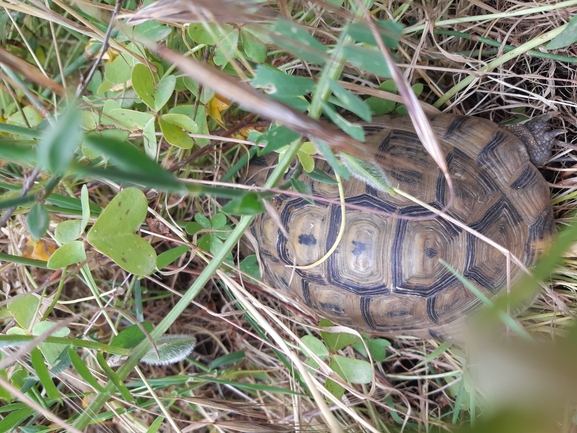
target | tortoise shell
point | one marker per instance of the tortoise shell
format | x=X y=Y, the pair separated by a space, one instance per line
x=385 y=276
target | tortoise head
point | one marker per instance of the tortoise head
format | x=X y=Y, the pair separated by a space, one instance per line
x=538 y=137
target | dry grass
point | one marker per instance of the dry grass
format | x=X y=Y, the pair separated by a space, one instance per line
x=422 y=385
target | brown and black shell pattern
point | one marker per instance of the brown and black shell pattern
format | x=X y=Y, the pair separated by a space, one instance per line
x=385 y=276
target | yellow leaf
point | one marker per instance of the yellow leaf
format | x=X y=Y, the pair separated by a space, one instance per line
x=216 y=106
x=39 y=250
x=243 y=133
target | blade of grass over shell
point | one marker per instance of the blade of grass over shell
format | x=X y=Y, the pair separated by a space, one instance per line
x=503 y=316
x=420 y=121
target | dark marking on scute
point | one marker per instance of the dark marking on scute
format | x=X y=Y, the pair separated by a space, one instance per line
x=307 y=293
x=269 y=256
x=409 y=177
x=431 y=310
x=440 y=189
x=419 y=211
x=456 y=125
x=400 y=135
x=370 y=201
x=541 y=229
x=484 y=181
x=333 y=308
x=431 y=252
x=282 y=250
x=372 y=129
x=307 y=240
x=393 y=314
x=365 y=306
x=311 y=278
x=525 y=179
x=436 y=335
x=359 y=248
x=503 y=205
x=290 y=206
x=497 y=140
x=472 y=273
x=447 y=280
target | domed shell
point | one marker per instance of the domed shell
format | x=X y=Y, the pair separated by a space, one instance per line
x=385 y=276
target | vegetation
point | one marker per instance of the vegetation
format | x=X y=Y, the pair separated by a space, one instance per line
x=126 y=301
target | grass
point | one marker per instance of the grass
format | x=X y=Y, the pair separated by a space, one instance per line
x=150 y=117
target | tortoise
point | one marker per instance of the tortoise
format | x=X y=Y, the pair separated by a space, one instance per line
x=385 y=276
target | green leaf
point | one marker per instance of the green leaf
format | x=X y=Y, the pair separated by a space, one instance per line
x=149 y=139
x=120 y=70
x=166 y=258
x=380 y=106
x=85 y=201
x=113 y=233
x=334 y=388
x=68 y=231
x=175 y=135
x=24 y=309
x=143 y=84
x=58 y=144
x=130 y=120
x=83 y=370
x=130 y=159
x=202 y=220
x=43 y=374
x=302 y=187
x=181 y=120
x=337 y=340
x=227 y=48
x=37 y=220
x=15 y=418
x=376 y=346
x=299 y=42
x=367 y=59
x=164 y=91
x=567 y=37
x=339 y=169
x=253 y=46
x=114 y=378
x=155 y=425
x=277 y=137
x=316 y=346
x=390 y=32
x=250 y=266
x=352 y=370
x=208 y=33
x=171 y=349
x=320 y=176
x=67 y=254
x=18 y=151
x=368 y=171
x=149 y=30
x=132 y=336
x=51 y=351
x=193 y=228
x=219 y=220
x=229 y=359
x=279 y=84
x=355 y=131
x=351 y=101
x=202 y=123
x=248 y=204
